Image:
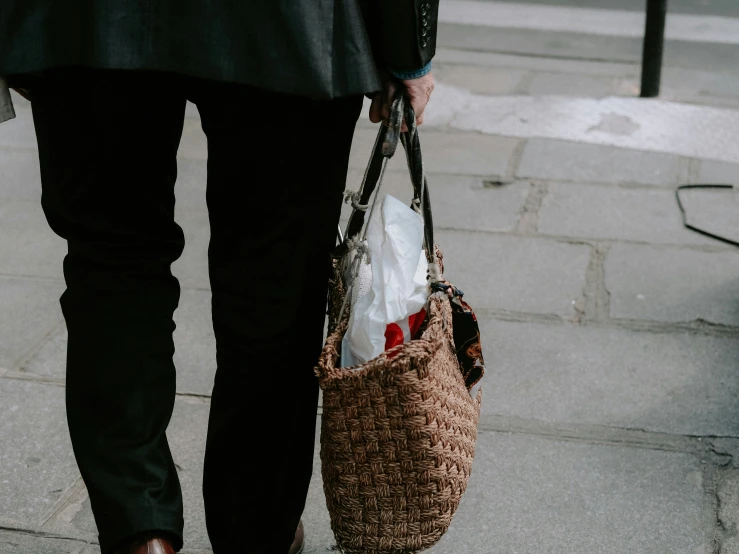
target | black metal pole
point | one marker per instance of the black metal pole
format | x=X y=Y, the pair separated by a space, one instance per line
x=654 y=42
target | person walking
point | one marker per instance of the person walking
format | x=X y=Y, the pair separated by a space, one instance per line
x=279 y=86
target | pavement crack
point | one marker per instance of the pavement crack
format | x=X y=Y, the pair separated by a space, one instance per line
x=194 y=396
x=32 y=352
x=720 y=530
x=547 y=56
x=594 y=304
x=635 y=325
x=721 y=454
x=25 y=376
x=515 y=160
x=72 y=498
x=528 y=219
x=595 y=434
x=647 y=326
x=40 y=534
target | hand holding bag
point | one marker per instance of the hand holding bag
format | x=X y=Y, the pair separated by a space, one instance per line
x=398 y=432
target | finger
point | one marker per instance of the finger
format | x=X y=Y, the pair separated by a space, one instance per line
x=421 y=100
x=419 y=120
x=419 y=106
x=375 y=113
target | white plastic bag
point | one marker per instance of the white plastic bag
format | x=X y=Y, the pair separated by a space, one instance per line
x=399 y=285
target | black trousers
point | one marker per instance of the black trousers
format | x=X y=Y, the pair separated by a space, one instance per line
x=277 y=168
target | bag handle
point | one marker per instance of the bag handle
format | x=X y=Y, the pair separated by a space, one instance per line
x=384 y=149
x=422 y=199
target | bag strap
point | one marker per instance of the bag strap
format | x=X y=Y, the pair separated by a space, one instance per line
x=422 y=198
x=385 y=145
x=384 y=149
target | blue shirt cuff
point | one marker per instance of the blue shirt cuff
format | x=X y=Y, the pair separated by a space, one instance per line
x=407 y=75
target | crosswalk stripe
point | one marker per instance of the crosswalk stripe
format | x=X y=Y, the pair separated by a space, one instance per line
x=616 y=23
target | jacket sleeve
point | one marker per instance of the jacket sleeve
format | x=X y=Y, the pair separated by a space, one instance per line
x=403 y=32
x=6 y=102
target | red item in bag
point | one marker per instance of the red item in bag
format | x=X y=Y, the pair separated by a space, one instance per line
x=394 y=334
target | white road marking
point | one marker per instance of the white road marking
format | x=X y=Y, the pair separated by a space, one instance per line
x=616 y=23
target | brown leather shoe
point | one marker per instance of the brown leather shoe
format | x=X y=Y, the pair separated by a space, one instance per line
x=147 y=545
x=299 y=543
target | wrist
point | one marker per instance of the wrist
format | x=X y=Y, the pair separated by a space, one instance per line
x=409 y=75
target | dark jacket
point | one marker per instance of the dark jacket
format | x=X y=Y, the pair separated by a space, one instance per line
x=317 y=48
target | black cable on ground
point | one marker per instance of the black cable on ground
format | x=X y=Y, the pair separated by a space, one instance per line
x=685 y=219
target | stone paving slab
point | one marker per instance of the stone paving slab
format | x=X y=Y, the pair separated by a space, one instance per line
x=83 y=522
x=572 y=85
x=36 y=460
x=527 y=494
x=700 y=83
x=713 y=211
x=192 y=267
x=18 y=100
x=713 y=172
x=20 y=178
x=577 y=45
x=28 y=245
x=493 y=81
x=519 y=274
x=458 y=202
x=192 y=176
x=602 y=212
x=193 y=143
x=537 y=495
x=187 y=434
x=30 y=311
x=570 y=161
x=19 y=133
x=449 y=56
x=195 y=344
x=191 y=110
x=13 y=542
x=539 y=42
x=457 y=199
x=673 y=285
x=453 y=152
x=727 y=102
x=583 y=77
x=533 y=495
x=678 y=383
x=728 y=508
x=50 y=359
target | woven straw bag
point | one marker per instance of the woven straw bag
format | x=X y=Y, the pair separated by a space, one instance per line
x=398 y=433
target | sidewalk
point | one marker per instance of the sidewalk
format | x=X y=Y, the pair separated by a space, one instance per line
x=611 y=413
